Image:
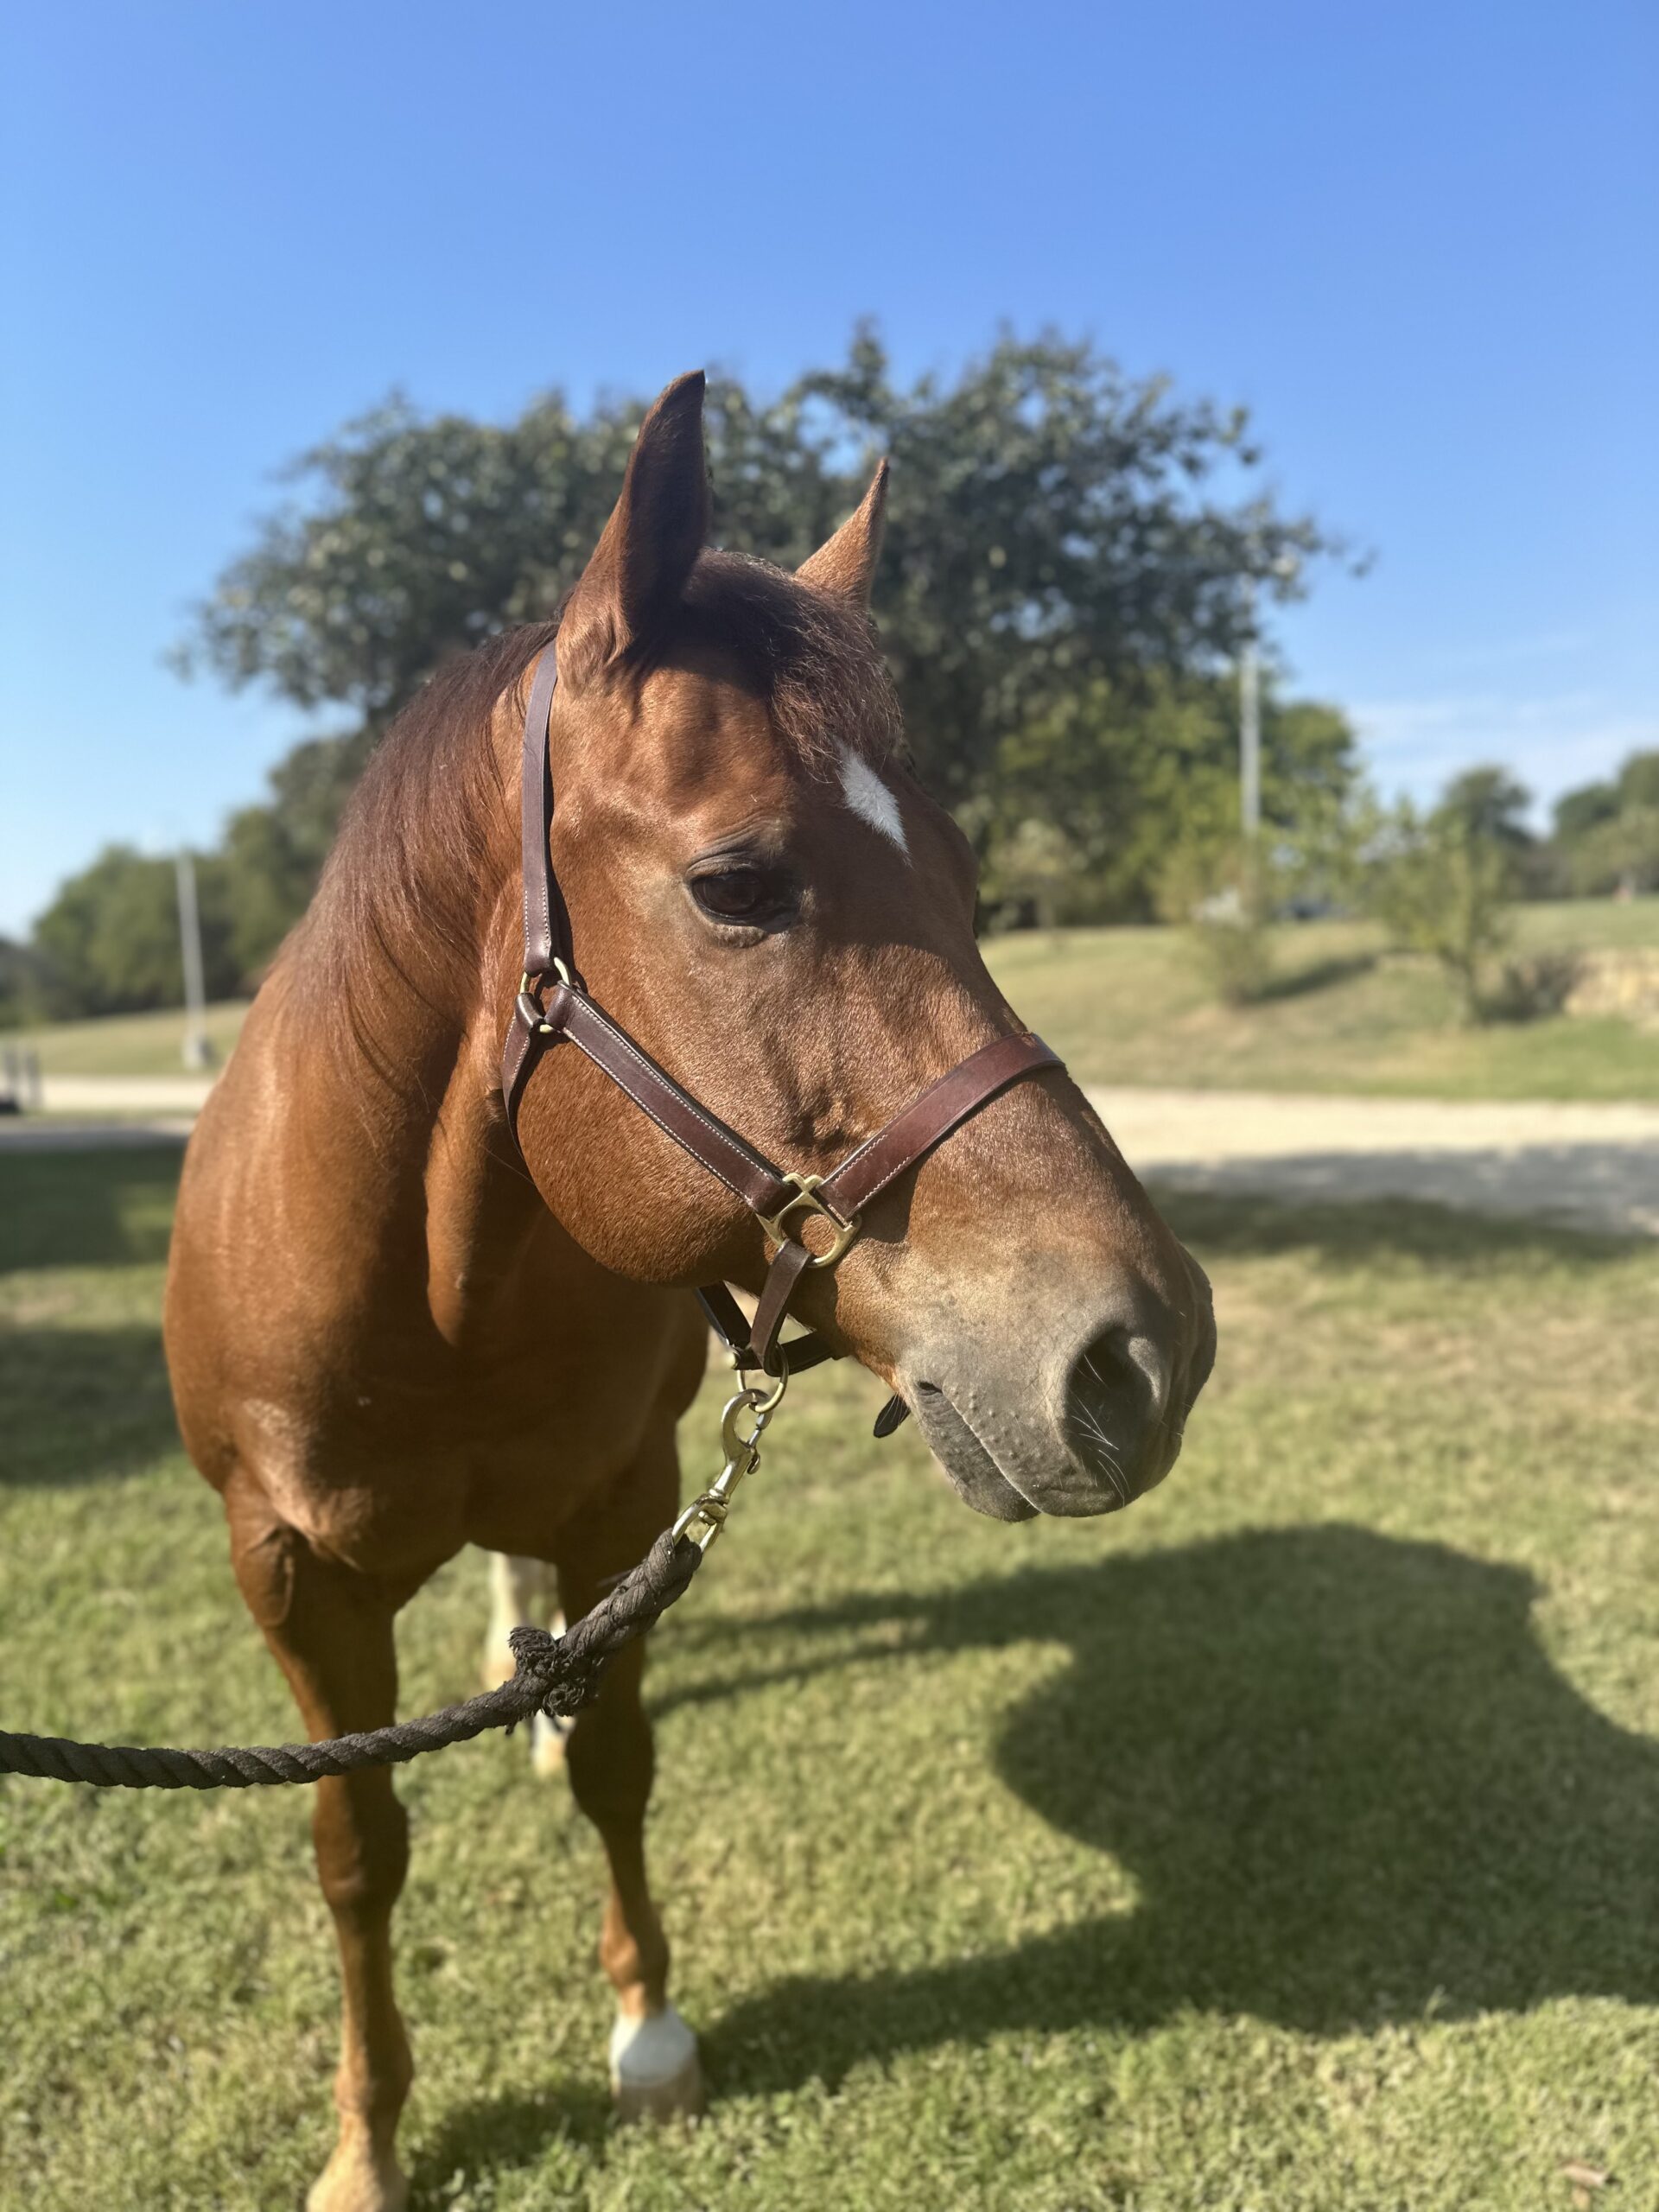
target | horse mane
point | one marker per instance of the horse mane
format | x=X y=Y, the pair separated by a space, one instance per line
x=425 y=830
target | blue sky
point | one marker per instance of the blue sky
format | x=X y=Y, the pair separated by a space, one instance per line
x=1419 y=242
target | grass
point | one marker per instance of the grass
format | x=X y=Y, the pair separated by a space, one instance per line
x=1288 y=1842
x=127 y=1043
x=1131 y=1006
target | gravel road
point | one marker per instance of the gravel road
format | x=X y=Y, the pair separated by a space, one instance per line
x=1592 y=1166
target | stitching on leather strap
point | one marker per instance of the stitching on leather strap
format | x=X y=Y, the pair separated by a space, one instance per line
x=722 y=1136
x=1033 y=1055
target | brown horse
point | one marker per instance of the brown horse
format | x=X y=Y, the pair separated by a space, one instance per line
x=387 y=1340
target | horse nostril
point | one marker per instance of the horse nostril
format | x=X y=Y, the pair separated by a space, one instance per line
x=930 y=1389
x=1111 y=1403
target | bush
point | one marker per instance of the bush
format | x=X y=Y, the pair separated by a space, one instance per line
x=1222 y=894
x=1441 y=886
x=1529 y=990
x=1237 y=957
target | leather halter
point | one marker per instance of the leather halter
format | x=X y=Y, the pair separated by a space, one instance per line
x=781 y=1201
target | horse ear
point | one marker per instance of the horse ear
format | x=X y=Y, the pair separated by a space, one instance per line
x=846 y=563
x=646 y=550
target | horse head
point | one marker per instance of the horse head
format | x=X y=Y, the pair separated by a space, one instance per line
x=763 y=894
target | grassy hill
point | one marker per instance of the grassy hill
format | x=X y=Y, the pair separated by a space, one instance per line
x=1132 y=1005
x=127 y=1044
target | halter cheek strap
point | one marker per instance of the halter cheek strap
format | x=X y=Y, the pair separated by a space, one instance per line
x=553 y=1006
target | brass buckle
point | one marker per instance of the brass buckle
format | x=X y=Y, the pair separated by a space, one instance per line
x=806 y=1199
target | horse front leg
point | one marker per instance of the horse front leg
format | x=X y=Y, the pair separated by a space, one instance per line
x=653 y=2054
x=330 y=1632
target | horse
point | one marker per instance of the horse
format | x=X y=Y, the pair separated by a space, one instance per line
x=400 y=1320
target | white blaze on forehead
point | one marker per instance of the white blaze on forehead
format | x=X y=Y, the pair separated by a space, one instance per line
x=870 y=799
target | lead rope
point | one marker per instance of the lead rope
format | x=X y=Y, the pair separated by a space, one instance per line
x=557 y=1676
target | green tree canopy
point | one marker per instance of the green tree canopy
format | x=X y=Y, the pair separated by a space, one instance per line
x=1064 y=579
x=1638 y=781
x=1607 y=834
x=1441 y=883
x=1108 y=781
x=1051 y=521
x=111 y=936
x=1489 y=802
x=1579 y=810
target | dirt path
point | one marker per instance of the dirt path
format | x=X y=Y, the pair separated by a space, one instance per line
x=1584 y=1166
x=1592 y=1166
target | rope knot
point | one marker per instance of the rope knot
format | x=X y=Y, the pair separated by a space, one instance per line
x=561 y=1679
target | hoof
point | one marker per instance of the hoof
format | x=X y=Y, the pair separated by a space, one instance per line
x=355 y=2180
x=654 y=2069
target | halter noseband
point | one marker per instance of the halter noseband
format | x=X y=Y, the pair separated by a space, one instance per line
x=781 y=1201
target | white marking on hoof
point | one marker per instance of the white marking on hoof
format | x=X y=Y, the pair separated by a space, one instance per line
x=655 y=2074
x=521 y=1590
x=548 y=1738
x=870 y=799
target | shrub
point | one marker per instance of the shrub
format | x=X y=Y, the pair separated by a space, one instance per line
x=1441 y=886
x=1220 y=892
x=1529 y=990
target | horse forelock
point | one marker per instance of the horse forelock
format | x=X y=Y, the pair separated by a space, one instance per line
x=813 y=653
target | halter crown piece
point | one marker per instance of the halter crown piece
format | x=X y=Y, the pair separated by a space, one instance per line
x=553 y=1006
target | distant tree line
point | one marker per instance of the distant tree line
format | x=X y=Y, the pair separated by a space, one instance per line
x=1062 y=591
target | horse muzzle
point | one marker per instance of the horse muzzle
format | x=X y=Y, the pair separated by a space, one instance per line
x=1083 y=1431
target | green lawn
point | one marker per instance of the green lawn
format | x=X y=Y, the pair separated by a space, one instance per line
x=1290 y=1842
x=127 y=1043
x=1132 y=1005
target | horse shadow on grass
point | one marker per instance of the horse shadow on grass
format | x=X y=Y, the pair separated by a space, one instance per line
x=503 y=2134
x=1349 y=1785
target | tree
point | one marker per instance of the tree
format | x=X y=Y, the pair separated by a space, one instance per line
x=1049 y=531
x=1045 y=531
x=1578 y=811
x=1638 y=781
x=1061 y=594
x=22 y=984
x=1621 y=854
x=1607 y=834
x=1442 y=884
x=1490 y=804
x=111 y=936
x=1125 y=772
x=274 y=853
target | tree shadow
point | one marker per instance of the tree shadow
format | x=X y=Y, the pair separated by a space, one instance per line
x=1299 y=982
x=1348 y=1783
x=1226 y=1220
x=76 y=1404
x=86 y=1208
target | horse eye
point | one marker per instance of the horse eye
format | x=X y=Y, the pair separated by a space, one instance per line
x=733 y=894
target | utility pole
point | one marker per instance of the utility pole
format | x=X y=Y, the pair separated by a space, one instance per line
x=198 y=1052
x=1249 y=726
